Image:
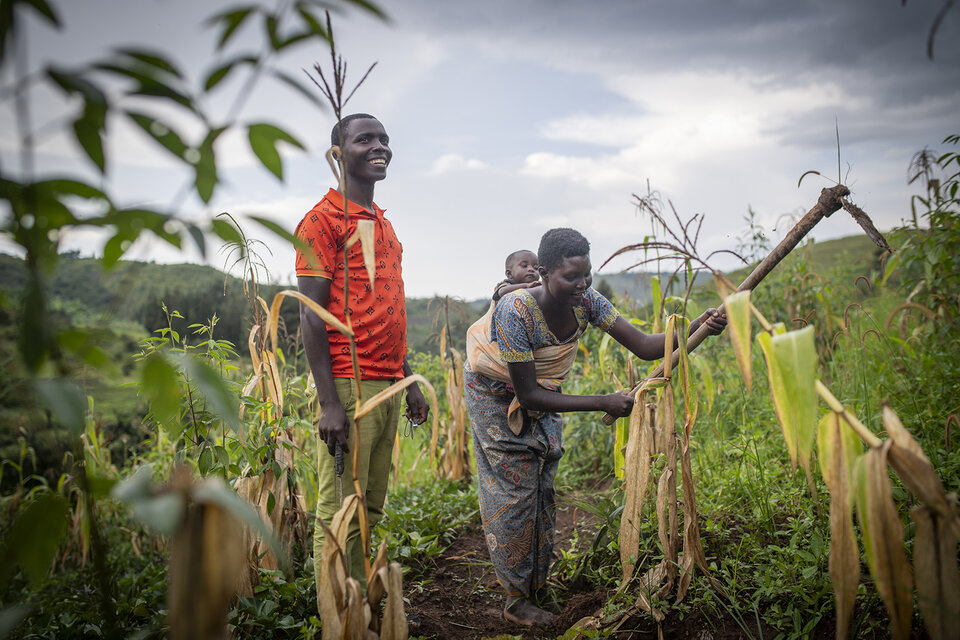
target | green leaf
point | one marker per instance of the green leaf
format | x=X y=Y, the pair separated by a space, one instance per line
x=66 y=186
x=154 y=59
x=283 y=233
x=263 y=141
x=737 y=308
x=226 y=231
x=220 y=399
x=11 y=616
x=206 y=166
x=231 y=20
x=298 y=86
x=161 y=132
x=205 y=461
x=792 y=366
x=64 y=400
x=217 y=75
x=35 y=535
x=88 y=132
x=74 y=83
x=44 y=9
x=160 y=382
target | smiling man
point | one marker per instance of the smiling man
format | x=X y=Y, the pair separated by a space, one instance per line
x=379 y=320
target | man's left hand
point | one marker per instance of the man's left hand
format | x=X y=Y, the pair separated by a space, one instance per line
x=417 y=407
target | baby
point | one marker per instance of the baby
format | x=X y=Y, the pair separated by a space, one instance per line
x=521 y=271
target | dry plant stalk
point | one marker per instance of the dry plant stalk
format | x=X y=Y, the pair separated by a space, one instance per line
x=206 y=558
x=454 y=461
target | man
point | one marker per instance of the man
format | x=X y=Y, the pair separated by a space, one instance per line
x=379 y=318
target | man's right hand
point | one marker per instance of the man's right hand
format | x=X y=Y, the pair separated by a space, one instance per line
x=332 y=426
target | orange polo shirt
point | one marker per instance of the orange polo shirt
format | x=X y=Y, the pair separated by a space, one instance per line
x=378 y=313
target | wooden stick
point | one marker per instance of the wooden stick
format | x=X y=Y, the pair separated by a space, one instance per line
x=828 y=203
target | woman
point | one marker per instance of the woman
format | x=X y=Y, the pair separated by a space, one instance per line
x=515 y=415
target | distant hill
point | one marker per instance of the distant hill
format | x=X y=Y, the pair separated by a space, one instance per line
x=135 y=291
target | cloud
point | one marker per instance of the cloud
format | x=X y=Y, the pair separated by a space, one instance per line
x=453 y=162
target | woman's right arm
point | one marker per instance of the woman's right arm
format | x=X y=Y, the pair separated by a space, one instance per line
x=523 y=376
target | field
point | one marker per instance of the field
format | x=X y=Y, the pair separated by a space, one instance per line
x=795 y=477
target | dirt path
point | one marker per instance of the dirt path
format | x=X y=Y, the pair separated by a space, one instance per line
x=461 y=598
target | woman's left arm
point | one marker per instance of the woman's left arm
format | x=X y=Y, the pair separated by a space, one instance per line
x=650 y=346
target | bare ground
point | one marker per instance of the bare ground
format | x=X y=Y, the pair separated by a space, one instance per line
x=459 y=598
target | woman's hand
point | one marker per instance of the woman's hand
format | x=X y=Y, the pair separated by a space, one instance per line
x=618 y=404
x=716 y=322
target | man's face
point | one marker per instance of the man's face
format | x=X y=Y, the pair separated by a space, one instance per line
x=366 y=150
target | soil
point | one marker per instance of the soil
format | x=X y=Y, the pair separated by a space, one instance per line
x=459 y=598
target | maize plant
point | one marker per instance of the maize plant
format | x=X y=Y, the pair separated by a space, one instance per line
x=858 y=479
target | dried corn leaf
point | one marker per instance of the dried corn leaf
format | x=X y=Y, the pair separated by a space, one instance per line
x=692 y=546
x=332 y=591
x=938 y=580
x=839 y=448
x=737 y=306
x=206 y=558
x=326 y=316
x=354 y=622
x=792 y=366
x=883 y=538
x=365 y=229
x=913 y=466
x=394 y=624
x=637 y=475
x=376 y=589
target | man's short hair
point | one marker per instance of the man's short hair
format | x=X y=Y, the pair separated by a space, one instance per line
x=560 y=243
x=335 y=132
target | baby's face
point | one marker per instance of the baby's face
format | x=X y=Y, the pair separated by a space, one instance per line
x=523 y=268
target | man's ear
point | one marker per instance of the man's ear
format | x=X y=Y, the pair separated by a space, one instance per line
x=335 y=151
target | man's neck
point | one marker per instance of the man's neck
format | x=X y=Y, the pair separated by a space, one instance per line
x=361 y=194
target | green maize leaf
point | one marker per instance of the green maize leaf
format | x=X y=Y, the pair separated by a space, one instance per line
x=839 y=448
x=737 y=307
x=792 y=367
x=33 y=539
x=263 y=142
x=620 y=441
x=11 y=616
x=883 y=538
x=160 y=382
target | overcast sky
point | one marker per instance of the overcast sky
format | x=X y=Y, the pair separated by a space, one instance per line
x=509 y=117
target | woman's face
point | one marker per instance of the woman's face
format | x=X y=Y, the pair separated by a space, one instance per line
x=568 y=282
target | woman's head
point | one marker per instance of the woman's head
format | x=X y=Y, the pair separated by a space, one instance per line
x=560 y=243
x=565 y=268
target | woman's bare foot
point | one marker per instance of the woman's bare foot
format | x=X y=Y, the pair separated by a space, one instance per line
x=524 y=612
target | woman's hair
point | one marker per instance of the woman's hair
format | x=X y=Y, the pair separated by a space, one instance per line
x=557 y=244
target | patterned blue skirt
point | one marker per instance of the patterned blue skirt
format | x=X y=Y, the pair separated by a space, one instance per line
x=515 y=475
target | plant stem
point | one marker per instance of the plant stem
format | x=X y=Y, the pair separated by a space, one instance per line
x=837 y=407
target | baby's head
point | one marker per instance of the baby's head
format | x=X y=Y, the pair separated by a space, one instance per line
x=521 y=266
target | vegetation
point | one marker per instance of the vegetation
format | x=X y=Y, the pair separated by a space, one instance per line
x=202 y=488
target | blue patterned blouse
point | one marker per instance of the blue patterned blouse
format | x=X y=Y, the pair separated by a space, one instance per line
x=519 y=327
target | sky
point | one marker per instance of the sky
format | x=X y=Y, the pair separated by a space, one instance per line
x=510 y=117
